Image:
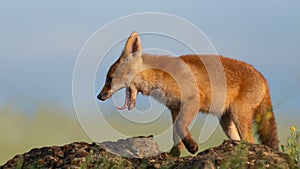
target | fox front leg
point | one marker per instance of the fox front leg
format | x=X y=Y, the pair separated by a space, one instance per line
x=178 y=145
x=184 y=119
x=133 y=94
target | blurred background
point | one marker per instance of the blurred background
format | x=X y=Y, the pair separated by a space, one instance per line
x=40 y=42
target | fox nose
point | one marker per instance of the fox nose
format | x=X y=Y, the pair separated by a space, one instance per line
x=100 y=97
x=103 y=96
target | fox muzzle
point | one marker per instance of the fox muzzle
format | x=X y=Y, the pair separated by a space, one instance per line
x=103 y=95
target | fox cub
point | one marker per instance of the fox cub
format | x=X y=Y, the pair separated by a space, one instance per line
x=184 y=85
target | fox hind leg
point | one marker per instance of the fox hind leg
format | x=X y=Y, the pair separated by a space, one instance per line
x=229 y=127
x=242 y=117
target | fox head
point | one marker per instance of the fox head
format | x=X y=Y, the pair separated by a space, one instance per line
x=122 y=72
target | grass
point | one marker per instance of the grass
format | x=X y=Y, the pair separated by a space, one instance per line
x=106 y=161
x=292 y=147
x=86 y=162
x=19 y=132
x=237 y=160
x=19 y=163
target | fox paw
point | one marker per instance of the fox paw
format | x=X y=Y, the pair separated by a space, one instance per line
x=191 y=146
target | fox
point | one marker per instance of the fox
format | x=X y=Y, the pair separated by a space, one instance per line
x=184 y=85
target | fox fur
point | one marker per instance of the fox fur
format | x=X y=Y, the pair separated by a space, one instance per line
x=184 y=85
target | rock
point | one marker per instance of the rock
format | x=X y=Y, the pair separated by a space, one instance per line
x=136 y=147
x=143 y=152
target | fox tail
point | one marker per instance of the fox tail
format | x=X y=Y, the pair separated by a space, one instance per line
x=266 y=124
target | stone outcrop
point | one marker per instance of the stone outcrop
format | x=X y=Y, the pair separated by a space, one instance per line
x=143 y=152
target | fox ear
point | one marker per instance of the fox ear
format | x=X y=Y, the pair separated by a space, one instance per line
x=133 y=45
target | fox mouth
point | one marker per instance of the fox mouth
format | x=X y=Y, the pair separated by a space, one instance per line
x=127 y=100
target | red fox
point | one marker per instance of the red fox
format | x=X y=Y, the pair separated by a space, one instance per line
x=184 y=85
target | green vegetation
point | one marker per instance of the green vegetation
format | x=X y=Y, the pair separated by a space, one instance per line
x=86 y=162
x=238 y=159
x=106 y=160
x=292 y=148
x=19 y=163
x=20 y=132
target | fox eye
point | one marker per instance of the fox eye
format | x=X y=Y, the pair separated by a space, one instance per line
x=109 y=79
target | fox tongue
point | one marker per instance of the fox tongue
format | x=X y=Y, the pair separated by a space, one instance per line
x=127 y=100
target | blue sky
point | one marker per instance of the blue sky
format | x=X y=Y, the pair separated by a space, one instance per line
x=40 y=42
